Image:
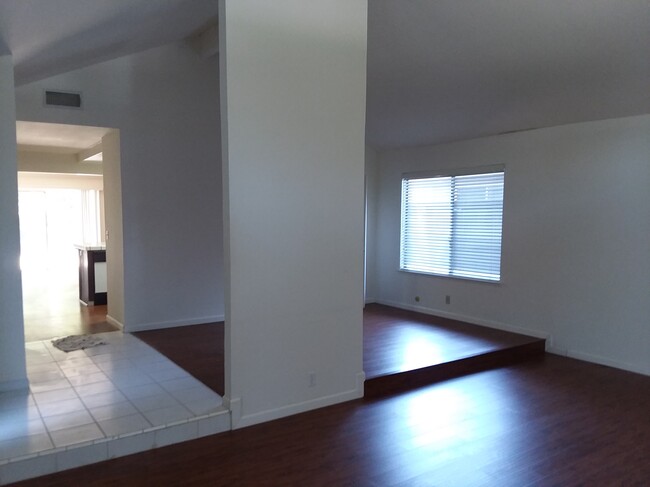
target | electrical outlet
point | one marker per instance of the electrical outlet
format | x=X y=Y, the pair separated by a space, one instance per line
x=447 y=299
x=417 y=299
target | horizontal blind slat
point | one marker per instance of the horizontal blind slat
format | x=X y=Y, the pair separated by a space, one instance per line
x=452 y=225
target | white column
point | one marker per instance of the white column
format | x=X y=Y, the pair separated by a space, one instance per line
x=12 y=333
x=293 y=81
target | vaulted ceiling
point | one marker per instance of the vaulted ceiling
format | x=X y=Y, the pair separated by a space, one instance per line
x=443 y=70
x=48 y=37
x=438 y=70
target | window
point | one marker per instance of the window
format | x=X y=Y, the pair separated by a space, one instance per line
x=451 y=224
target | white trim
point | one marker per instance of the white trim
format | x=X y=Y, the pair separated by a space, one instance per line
x=102 y=449
x=173 y=323
x=234 y=405
x=14 y=385
x=114 y=322
x=464 y=171
x=597 y=359
x=550 y=347
x=301 y=407
x=469 y=319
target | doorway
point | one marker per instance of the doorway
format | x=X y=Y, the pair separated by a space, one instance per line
x=61 y=206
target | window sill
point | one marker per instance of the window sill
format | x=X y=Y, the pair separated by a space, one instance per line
x=446 y=276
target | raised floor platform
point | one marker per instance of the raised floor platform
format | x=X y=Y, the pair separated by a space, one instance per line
x=404 y=350
x=105 y=402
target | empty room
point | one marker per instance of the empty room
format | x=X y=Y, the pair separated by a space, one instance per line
x=378 y=243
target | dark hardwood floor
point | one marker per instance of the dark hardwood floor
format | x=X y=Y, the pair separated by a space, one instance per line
x=397 y=340
x=199 y=349
x=552 y=422
x=396 y=343
x=404 y=350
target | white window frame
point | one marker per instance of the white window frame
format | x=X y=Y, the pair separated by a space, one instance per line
x=441 y=265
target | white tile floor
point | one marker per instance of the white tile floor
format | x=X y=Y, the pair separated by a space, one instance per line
x=91 y=405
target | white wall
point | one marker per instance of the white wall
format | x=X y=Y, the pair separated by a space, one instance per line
x=293 y=79
x=12 y=350
x=165 y=102
x=576 y=258
x=372 y=189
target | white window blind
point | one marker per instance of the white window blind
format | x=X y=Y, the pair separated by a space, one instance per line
x=451 y=225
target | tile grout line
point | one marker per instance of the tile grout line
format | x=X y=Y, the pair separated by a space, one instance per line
x=132 y=348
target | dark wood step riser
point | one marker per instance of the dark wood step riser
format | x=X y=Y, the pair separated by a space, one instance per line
x=413 y=379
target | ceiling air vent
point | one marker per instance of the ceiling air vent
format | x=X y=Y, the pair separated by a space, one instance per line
x=62 y=99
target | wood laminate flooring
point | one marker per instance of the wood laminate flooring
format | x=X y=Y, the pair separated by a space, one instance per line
x=199 y=349
x=402 y=349
x=551 y=422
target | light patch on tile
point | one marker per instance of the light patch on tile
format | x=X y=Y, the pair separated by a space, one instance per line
x=50 y=385
x=194 y=394
x=180 y=384
x=78 y=362
x=78 y=434
x=69 y=420
x=130 y=378
x=125 y=424
x=60 y=407
x=166 y=374
x=24 y=445
x=135 y=392
x=206 y=406
x=15 y=426
x=85 y=379
x=42 y=398
x=113 y=411
x=158 y=401
x=168 y=415
x=48 y=376
x=103 y=399
x=79 y=370
x=95 y=388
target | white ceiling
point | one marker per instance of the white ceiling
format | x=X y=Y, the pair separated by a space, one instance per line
x=48 y=37
x=61 y=138
x=438 y=70
x=442 y=70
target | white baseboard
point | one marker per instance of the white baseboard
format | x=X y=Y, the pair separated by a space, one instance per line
x=596 y=359
x=114 y=322
x=233 y=404
x=14 y=385
x=242 y=421
x=469 y=319
x=173 y=323
x=550 y=343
